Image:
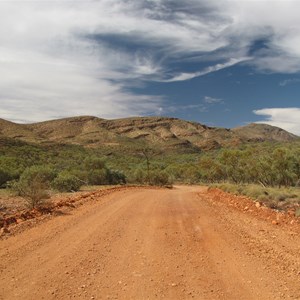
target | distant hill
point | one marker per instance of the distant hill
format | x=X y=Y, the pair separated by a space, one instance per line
x=168 y=133
x=262 y=132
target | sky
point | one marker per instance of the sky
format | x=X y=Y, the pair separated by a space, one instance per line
x=222 y=63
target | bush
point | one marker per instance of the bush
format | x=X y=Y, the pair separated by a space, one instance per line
x=94 y=163
x=66 y=182
x=34 y=184
x=116 y=177
x=97 y=172
x=44 y=173
x=98 y=177
x=160 y=178
x=4 y=177
x=139 y=176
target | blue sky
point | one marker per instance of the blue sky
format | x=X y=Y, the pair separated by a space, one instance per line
x=219 y=62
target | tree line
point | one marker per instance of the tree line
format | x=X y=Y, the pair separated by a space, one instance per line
x=67 y=167
x=278 y=167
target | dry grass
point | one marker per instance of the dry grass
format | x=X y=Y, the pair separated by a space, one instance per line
x=6 y=193
x=91 y=188
x=11 y=203
x=276 y=198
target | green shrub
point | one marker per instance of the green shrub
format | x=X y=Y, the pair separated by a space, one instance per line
x=139 y=176
x=94 y=163
x=98 y=177
x=116 y=177
x=66 y=182
x=4 y=177
x=34 y=184
x=160 y=178
x=44 y=173
x=97 y=172
x=81 y=175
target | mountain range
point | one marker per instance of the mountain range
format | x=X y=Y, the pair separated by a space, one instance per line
x=168 y=133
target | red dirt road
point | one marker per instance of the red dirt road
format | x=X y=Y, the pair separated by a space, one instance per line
x=152 y=244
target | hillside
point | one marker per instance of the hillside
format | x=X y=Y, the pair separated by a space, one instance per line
x=168 y=133
x=262 y=132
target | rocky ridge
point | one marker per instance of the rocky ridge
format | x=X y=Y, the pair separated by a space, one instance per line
x=164 y=131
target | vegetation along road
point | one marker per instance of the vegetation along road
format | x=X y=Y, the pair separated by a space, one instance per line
x=152 y=244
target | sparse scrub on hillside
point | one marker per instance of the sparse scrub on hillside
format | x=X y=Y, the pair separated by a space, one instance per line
x=264 y=164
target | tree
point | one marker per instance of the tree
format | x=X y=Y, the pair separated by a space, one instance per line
x=211 y=170
x=148 y=154
x=283 y=167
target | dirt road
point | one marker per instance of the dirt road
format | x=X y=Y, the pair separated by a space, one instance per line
x=152 y=244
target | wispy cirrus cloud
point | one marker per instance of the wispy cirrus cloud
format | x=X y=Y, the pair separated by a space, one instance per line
x=286 y=118
x=199 y=107
x=65 y=58
x=212 y=100
x=210 y=69
x=203 y=106
x=289 y=81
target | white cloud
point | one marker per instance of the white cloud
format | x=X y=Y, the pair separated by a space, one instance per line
x=175 y=108
x=202 y=107
x=289 y=81
x=212 y=100
x=286 y=118
x=211 y=69
x=48 y=70
x=58 y=58
x=276 y=22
